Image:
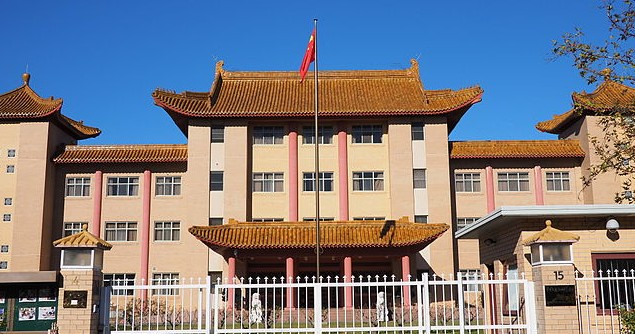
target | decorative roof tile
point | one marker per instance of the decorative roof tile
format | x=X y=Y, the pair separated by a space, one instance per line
x=122 y=153
x=606 y=96
x=342 y=93
x=516 y=149
x=550 y=234
x=23 y=103
x=337 y=234
x=82 y=239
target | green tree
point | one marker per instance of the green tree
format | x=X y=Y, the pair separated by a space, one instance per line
x=611 y=59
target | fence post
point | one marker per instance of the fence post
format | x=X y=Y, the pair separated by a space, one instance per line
x=530 y=308
x=425 y=304
x=208 y=302
x=459 y=293
x=104 y=310
x=317 y=306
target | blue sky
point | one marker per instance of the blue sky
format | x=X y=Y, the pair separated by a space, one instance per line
x=104 y=58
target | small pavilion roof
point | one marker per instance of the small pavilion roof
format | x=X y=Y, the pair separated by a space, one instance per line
x=122 y=153
x=500 y=149
x=367 y=93
x=607 y=96
x=82 y=239
x=334 y=234
x=24 y=104
x=550 y=234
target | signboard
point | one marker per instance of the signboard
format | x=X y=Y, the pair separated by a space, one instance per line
x=75 y=299
x=560 y=295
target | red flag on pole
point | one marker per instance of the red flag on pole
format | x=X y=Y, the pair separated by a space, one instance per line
x=309 y=57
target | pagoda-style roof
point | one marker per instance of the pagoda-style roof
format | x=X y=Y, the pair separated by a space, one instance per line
x=606 y=97
x=24 y=104
x=82 y=239
x=501 y=149
x=550 y=234
x=333 y=235
x=368 y=93
x=122 y=153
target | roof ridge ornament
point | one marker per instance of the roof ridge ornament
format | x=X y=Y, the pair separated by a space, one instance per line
x=219 y=66
x=26 y=77
x=606 y=74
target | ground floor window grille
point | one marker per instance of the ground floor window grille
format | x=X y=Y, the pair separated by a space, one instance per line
x=120 y=280
x=617 y=292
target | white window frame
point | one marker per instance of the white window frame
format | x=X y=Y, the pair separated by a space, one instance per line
x=77 y=186
x=168 y=185
x=368 y=181
x=129 y=185
x=214 y=183
x=416 y=129
x=422 y=219
x=325 y=134
x=513 y=182
x=468 y=275
x=369 y=218
x=120 y=279
x=326 y=181
x=268 y=135
x=367 y=134
x=419 y=178
x=266 y=220
x=463 y=222
x=270 y=182
x=217 y=133
x=71 y=228
x=129 y=228
x=467 y=182
x=558 y=181
x=167 y=228
x=164 y=279
x=322 y=219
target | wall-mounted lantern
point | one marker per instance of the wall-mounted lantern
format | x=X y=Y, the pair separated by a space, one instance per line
x=551 y=246
x=82 y=250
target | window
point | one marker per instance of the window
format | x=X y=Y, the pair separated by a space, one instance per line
x=10 y=169
x=610 y=290
x=421 y=219
x=11 y=153
x=216 y=181
x=463 y=222
x=4 y=249
x=326 y=181
x=268 y=135
x=558 y=181
x=121 y=231
x=367 y=134
x=471 y=275
x=216 y=221
x=325 y=135
x=120 y=280
x=368 y=181
x=266 y=220
x=165 y=279
x=369 y=218
x=72 y=228
x=123 y=186
x=416 y=130
x=4 y=264
x=513 y=181
x=322 y=219
x=6 y=217
x=268 y=182
x=467 y=182
x=168 y=186
x=77 y=186
x=167 y=231
x=218 y=134
x=215 y=277
x=8 y=201
x=419 y=178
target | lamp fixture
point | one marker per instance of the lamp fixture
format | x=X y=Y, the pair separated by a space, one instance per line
x=612 y=225
x=489 y=241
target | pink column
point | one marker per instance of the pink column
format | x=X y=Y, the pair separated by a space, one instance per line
x=342 y=158
x=405 y=276
x=540 y=196
x=145 y=225
x=231 y=272
x=489 y=186
x=290 y=292
x=348 y=273
x=97 y=193
x=293 y=176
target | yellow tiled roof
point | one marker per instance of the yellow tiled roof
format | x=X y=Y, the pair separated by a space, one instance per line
x=550 y=234
x=24 y=103
x=516 y=149
x=606 y=96
x=337 y=234
x=342 y=93
x=82 y=239
x=122 y=153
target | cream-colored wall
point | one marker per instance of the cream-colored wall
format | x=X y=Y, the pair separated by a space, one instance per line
x=9 y=139
x=271 y=159
x=237 y=172
x=402 y=196
x=572 y=196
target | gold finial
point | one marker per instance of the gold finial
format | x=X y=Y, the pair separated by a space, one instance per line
x=84 y=227
x=548 y=223
x=26 y=77
x=606 y=73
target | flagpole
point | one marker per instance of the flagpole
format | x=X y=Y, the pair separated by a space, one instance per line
x=317 y=158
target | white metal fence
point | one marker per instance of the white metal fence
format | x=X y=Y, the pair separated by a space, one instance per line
x=603 y=298
x=431 y=304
